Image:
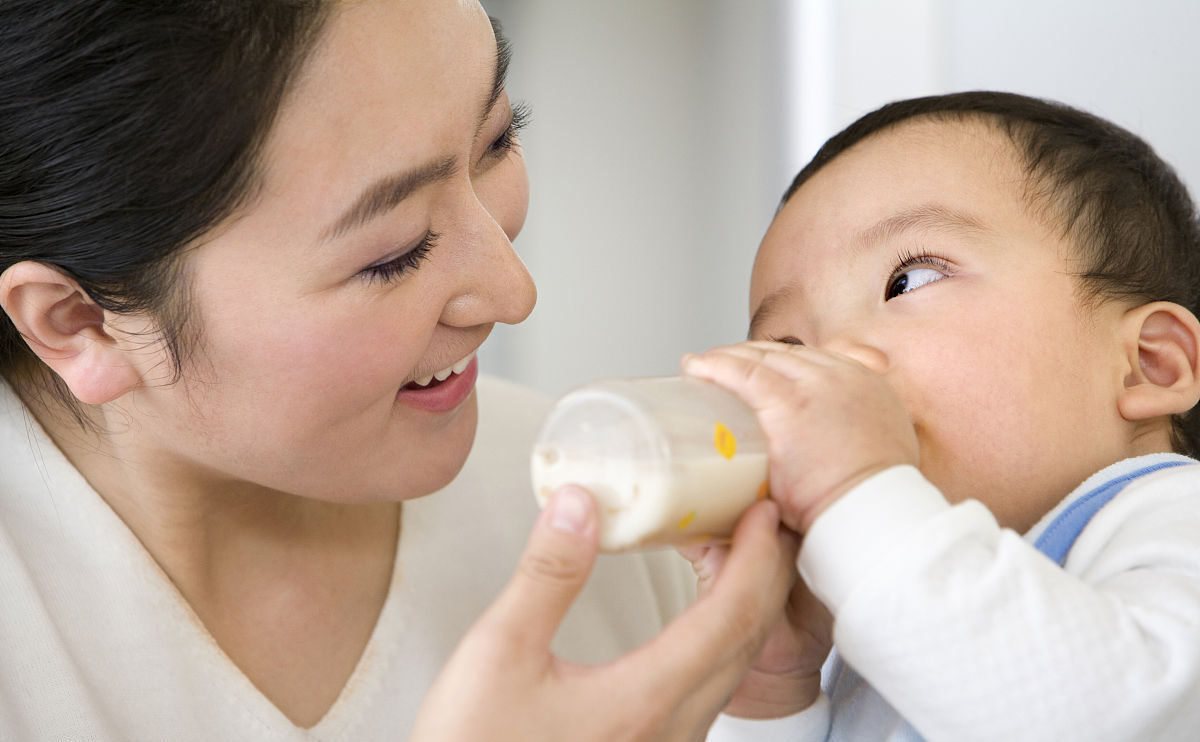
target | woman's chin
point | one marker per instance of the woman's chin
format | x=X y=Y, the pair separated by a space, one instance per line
x=435 y=461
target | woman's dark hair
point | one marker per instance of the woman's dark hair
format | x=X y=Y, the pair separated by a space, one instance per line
x=128 y=129
x=1124 y=209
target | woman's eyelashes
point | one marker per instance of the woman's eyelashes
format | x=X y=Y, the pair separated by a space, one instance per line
x=914 y=271
x=395 y=268
x=503 y=144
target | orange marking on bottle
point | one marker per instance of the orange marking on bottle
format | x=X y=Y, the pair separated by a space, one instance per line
x=724 y=440
x=763 y=490
x=686 y=520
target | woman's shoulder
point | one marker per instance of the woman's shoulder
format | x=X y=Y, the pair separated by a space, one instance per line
x=509 y=417
x=503 y=404
x=30 y=463
x=496 y=388
x=494 y=482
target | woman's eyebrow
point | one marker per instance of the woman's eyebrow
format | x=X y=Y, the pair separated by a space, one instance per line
x=388 y=192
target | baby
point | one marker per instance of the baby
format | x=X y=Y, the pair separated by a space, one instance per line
x=975 y=353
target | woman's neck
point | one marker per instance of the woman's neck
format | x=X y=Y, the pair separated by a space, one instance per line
x=289 y=587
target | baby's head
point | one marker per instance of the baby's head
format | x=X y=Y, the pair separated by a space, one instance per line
x=1026 y=276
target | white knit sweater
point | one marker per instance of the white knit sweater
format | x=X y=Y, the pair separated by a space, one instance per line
x=97 y=644
x=959 y=630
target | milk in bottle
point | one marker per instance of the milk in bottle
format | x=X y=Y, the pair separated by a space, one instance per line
x=669 y=460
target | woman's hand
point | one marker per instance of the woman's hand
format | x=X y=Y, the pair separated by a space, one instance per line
x=503 y=683
x=830 y=421
x=786 y=677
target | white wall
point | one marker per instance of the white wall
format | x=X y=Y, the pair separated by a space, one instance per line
x=1131 y=61
x=654 y=156
x=664 y=132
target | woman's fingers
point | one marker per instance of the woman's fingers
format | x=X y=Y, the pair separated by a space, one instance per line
x=553 y=570
x=700 y=658
x=503 y=683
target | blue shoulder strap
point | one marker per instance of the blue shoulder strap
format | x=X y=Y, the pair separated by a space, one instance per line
x=1060 y=535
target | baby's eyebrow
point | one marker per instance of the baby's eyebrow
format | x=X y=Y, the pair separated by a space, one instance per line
x=931 y=217
x=927 y=218
x=769 y=307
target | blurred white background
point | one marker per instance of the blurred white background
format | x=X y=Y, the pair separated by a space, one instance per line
x=665 y=131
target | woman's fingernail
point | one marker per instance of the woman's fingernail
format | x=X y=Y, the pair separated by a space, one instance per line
x=569 y=510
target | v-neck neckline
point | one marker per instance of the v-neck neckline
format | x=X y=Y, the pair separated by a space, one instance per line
x=202 y=646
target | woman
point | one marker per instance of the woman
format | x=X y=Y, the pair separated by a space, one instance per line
x=248 y=253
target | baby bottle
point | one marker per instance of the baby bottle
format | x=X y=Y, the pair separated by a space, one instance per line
x=669 y=460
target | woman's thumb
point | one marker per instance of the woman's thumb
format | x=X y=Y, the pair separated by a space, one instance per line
x=553 y=569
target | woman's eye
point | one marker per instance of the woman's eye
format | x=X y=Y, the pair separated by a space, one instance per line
x=504 y=143
x=915 y=272
x=394 y=269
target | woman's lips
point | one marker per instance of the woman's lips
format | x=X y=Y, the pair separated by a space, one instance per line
x=442 y=375
x=441 y=396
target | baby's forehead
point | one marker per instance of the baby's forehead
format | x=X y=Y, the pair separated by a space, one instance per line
x=1037 y=175
x=928 y=180
x=974 y=140
x=963 y=167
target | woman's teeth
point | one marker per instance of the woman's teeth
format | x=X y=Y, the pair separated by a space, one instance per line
x=444 y=374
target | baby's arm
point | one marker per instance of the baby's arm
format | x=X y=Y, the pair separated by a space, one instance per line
x=805 y=488
x=971 y=633
x=963 y=626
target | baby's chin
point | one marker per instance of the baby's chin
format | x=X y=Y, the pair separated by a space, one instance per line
x=1016 y=505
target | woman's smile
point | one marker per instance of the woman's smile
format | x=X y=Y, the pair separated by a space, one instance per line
x=444 y=390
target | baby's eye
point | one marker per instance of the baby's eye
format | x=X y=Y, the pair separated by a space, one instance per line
x=911 y=279
x=913 y=273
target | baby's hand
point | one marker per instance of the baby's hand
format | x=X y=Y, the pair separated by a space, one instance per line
x=786 y=677
x=830 y=421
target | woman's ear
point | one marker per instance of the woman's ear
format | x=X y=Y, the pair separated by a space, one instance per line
x=1162 y=346
x=67 y=330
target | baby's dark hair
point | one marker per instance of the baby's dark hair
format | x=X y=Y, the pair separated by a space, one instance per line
x=1121 y=206
x=127 y=131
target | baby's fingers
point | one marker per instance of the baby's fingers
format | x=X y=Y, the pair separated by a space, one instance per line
x=706 y=561
x=761 y=378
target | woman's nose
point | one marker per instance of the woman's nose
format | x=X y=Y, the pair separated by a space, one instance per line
x=495 y=286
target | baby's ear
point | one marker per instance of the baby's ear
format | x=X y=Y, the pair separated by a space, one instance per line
x=1162 y=346
x=67 y=330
